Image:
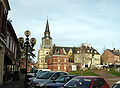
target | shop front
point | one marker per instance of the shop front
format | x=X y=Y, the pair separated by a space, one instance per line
x=8 y=69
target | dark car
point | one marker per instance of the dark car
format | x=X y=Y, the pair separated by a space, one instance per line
x=59 y=82
x=87 y=82
x=45 y=78
x=29 y=75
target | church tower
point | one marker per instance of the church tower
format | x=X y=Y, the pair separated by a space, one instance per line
x=47 y=40
x=46 y=49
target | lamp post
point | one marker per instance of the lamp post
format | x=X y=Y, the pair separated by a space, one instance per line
x=27 y=45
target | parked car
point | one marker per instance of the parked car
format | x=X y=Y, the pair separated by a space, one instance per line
x=32 y=74
x=116 y=85
x=45 y=78
x=59 y=82
x=99 y=66
x=86 y=82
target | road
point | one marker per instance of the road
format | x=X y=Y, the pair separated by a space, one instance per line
x=111 y=79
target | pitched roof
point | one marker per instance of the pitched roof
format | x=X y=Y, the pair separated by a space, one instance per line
x=85 y=49
x=113 y=52
x=66 y=48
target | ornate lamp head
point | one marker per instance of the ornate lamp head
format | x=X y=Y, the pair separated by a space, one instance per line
x=21 y=40
x=27 y=33
x=33 y=41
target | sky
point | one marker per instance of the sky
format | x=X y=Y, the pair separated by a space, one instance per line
x=71 y=22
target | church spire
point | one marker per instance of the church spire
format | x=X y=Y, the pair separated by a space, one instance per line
x=47 y=27
x=47 y=40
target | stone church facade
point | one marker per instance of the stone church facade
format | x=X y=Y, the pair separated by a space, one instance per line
x=45 y=49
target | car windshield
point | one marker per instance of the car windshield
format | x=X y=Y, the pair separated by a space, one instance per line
x=60 y=79
x=79 y=83
x=45 y=75
x=116 y=86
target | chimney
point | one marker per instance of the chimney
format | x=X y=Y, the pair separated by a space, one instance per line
x=113 y=49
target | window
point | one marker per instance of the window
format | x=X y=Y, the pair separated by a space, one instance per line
x=65 y=60
x=8 y=38
x=11 y=44
x=98 y=83
x=95 y=51
x=47 y=53
x=13 y=47
x=78 y=51
x=58 y=60
x=15 y=52
x=88 y=51
x=3 y=24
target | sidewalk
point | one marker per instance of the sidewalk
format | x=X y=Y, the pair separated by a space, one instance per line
x=15 y=84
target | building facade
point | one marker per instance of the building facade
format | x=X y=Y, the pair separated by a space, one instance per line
x=23 y=65
x=12 y=54
x=60 y=60
x=110 y=57
x=4 y=8
x=45 y=49
x=58 y=63
x=87 y=56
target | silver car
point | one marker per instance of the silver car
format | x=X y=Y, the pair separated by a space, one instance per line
x=45 y=78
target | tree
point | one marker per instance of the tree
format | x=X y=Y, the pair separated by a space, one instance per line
x=30 y=53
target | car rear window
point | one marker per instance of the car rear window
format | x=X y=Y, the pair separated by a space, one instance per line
x=79 y=82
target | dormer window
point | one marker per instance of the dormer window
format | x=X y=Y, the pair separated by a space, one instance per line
x=88 y=51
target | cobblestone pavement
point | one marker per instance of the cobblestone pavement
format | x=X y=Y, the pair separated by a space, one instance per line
x=15 y=84
x=111 y=79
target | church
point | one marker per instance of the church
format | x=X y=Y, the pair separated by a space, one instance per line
x=52 y=57
x=45 y=49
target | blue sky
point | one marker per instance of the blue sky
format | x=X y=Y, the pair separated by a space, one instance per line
x=72 y=22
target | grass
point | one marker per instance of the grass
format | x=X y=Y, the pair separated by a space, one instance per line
x=84 y=73
x=113 y=72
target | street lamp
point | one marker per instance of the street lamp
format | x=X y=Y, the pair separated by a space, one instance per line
x=28 y=44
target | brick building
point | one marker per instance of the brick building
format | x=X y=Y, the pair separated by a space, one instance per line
x=23 y=65
x=110 y=57
x=58 y=63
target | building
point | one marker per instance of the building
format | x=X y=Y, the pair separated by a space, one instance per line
x=45 y=49
x=12 y=54
x=23 y=65
x=4 y=8
x=58 y=63
x=86 y=55
x=60 y=60
x=110 y=57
